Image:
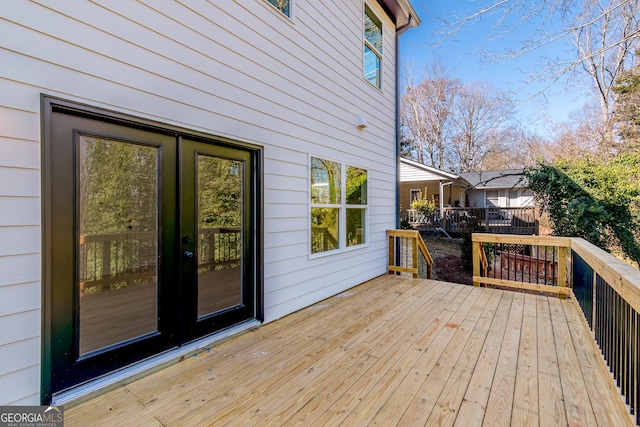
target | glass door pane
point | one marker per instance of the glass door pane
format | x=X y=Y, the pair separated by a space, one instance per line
x=217 y=263
x=219 y=223
x=117 y=242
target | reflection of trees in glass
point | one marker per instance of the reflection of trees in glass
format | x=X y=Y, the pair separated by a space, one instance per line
x=118 y=188
x=373 y=30
x=355 y=226
x=281 y=5
x=118 y=209
x=219 y=192
x=372 y=47
x=356 y=186
x=328 y=206
x=324 y=229
x=219 y=212
x=356 y=194
x=326 y=189
x=325 y=181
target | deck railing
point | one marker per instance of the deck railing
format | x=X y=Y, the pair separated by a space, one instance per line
x=219 y=248
x=322 y=240
x=521 y=220
x=408 y=254
x=114 y=260
x=606 y=289
x=525 y=262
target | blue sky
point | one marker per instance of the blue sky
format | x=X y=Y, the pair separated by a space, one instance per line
x=461 y=54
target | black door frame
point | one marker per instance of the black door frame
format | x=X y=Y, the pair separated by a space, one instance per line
x=52 y=323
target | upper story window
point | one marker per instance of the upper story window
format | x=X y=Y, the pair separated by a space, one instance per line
x=282 y=6
x=372 y=48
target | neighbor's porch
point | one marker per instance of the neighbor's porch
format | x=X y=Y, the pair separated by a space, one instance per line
x=497 y=220
x=392 y=351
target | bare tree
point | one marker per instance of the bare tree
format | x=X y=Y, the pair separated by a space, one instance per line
x=480 y=115
x=605 y=34
x=582 y=134
x=515 y=148
x=426 y=110
x=627 y=107
x=605 y=48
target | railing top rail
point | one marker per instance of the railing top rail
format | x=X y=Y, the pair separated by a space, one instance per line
x=624 y=278
x=468 y=208
x=521 y=240
x=133 y=235
x=403 y=233
x=421 y=247
x=218 y=230
x=425 y=251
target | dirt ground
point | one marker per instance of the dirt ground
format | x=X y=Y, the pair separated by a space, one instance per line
x=447 y=265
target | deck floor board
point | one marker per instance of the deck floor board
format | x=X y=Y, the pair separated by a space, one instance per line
x=392 y=351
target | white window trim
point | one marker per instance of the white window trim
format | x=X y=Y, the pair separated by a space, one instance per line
x=342 y=210
x=411 y=191
x=370 y=46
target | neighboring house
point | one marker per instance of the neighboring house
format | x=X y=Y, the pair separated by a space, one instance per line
x=171 y=174
x=418 y=180
x=498 y=200
x=503 y=188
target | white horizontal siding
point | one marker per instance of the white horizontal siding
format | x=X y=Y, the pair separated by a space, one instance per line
x=285 y=238
x=32 y=400
x=19 y=386
x=231 y=68
x=18 y=211
x=19 y=298
x=20 y=287
x=19 y=124
x=18 y=327
x=323 y=281
x=410 y=174
x=19 y=355
x=19 y=153
x=127 y=63
x=19 y=240
x=19 y=182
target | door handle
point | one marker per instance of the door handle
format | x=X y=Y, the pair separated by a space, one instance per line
x=187 y=254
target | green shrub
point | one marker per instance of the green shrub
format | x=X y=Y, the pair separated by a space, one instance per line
x=424 y=206
x=472 y=226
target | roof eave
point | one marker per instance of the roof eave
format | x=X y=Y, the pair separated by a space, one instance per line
x=402 y=12
x=436 y=171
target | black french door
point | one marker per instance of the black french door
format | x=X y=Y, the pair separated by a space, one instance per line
x=150 y=242
x=215 y=235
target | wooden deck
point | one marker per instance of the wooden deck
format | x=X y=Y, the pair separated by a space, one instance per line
x=393 y=351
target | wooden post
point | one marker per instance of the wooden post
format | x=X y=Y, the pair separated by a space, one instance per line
x=441 y=201
x=562 y=268
x=106 y=258
x=391 y=252
x=414 y=250
x=475 y=256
